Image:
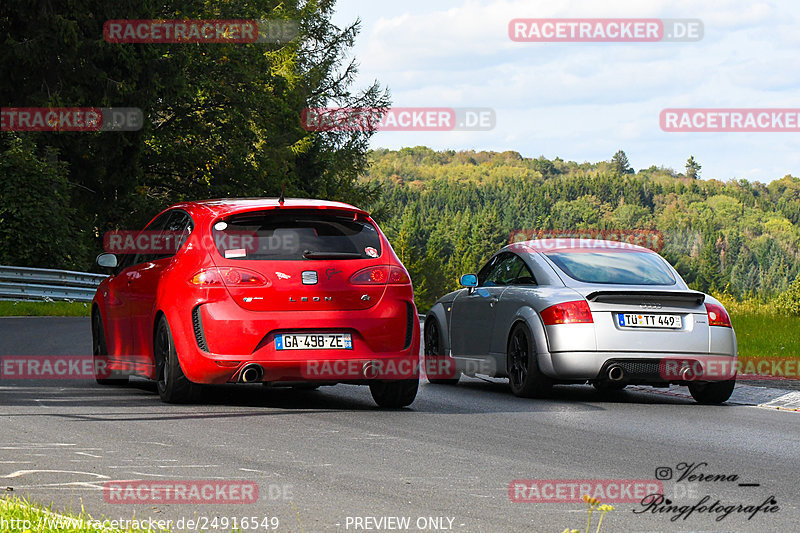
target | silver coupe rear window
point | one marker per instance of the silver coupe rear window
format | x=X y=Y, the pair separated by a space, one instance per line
x=616 y=268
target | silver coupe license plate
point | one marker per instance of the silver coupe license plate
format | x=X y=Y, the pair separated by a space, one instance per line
x=636 y=320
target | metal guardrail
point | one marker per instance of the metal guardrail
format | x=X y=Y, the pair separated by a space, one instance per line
x=23 y=283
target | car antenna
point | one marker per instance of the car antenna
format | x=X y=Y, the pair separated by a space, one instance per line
x=283 y=191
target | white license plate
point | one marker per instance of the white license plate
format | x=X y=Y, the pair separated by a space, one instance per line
x=313 y=341
x=635 y=320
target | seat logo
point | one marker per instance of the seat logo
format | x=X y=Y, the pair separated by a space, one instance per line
x=310 y=277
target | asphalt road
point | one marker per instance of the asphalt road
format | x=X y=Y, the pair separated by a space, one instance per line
x=330 y=460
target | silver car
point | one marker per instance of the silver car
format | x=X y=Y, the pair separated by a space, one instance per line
x=553 y=311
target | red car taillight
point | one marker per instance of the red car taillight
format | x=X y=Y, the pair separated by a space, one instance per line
x=718 y=316
x=211 y=277
x=576 y=312
x=380 y=275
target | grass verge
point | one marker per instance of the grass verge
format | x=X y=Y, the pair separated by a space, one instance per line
x=762 y=330
x=767 y=334
x=20 y=516
x=44 y=308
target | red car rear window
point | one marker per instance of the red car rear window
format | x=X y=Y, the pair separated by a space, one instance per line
x=295 y=234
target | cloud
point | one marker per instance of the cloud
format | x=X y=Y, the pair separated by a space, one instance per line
x=586 y=100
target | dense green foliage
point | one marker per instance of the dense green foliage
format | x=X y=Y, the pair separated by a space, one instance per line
x=224 y=120
x=36 y=225
x=446 y=212
x=789 y=301
x=220 y=119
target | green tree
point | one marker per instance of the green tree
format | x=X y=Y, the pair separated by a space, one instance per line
x=621 y=164
x=220 y=119
x=36 y=221
x=789 y=301
x=692 y=168
x=733 y=236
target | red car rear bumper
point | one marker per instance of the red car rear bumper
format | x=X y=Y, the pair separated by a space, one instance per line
x=215 y=340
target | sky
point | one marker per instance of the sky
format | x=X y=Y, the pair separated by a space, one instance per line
x=583 y=101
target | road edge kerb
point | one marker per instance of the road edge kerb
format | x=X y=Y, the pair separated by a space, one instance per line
x=745 y=395
x=789 y=401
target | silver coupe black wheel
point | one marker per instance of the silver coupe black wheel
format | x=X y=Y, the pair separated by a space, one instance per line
x=436 y=363
x=524 y=376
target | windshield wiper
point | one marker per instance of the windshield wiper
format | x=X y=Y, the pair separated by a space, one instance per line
x=308 y=254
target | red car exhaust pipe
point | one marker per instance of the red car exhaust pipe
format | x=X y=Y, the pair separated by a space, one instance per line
x=369 y=370
x=252 y=373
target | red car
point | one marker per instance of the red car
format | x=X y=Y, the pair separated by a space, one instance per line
x=289 y=292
